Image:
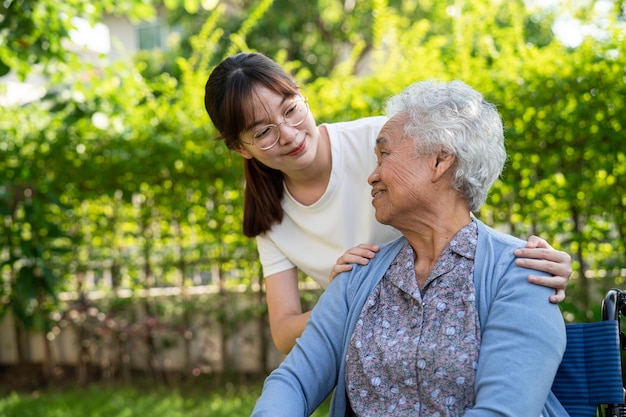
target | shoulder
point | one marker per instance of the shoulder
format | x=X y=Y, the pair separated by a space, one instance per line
x=495 y=271
x=495 y=261
x=375 y=121
x=352 y=146
x=367 y=124
x=494 y=242
x=363 y=278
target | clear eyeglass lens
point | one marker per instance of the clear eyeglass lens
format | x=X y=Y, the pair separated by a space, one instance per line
x=267 y=136
x=296 y=113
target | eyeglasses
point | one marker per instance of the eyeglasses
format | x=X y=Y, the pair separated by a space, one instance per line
x=268 y=136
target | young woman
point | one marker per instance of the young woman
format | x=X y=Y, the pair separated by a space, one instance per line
x=306 y=198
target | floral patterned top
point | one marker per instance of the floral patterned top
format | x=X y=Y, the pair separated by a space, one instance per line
x=414 y=352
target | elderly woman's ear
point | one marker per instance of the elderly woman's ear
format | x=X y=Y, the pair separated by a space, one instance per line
x=444 y=161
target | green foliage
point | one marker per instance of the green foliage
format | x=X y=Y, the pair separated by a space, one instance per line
x=33 y=32
x=34 y=231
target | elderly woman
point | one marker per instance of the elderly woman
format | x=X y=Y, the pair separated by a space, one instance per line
x=441 y=323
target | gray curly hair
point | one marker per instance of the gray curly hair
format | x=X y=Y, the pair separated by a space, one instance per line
x=453 y=117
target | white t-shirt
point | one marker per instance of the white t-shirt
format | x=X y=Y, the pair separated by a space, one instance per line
x=312 y=237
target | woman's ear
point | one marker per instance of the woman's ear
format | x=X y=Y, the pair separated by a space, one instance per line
x=443 y=162
x=244 y=152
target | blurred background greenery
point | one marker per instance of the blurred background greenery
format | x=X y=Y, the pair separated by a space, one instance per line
x=112 y=186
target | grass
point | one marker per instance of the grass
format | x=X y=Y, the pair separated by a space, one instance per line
x=128 y=401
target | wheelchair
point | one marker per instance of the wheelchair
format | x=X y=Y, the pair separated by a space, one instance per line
x=589 y=381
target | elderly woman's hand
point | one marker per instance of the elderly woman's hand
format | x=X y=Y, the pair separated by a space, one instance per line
x=360 y=255
x=538 y=254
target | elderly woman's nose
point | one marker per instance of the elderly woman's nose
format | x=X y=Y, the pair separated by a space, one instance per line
x=373 y=177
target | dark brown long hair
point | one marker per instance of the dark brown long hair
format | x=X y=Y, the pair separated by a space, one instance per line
x=227 y=98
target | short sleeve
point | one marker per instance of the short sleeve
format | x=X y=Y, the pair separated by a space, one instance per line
x=272 y=259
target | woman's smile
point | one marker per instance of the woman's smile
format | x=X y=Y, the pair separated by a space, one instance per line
x=376 y=193
x=299 y=150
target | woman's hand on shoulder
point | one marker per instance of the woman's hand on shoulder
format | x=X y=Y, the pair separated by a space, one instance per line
x=540 y=255
x=360 y=255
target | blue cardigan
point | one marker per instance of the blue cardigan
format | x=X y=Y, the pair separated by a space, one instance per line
x=523 y=339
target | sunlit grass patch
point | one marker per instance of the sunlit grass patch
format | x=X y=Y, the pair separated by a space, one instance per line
x=99 y=401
